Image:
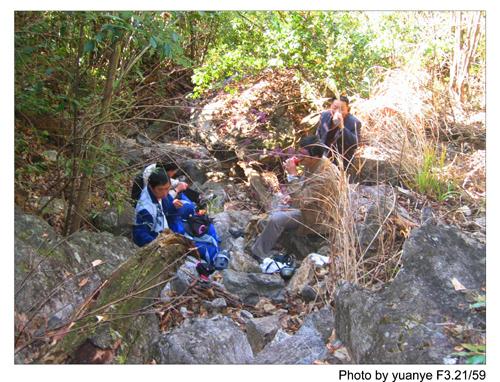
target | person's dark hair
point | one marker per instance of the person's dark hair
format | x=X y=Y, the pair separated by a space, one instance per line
x=158 y=177
x=313 y=145
x=167 y=166
x=344 y=98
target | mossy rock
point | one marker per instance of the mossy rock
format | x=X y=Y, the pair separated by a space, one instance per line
x=123 y=304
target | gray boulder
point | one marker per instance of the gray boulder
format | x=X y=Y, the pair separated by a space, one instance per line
x=371 y=228
x=134 y=153
x=166 y=123
x=130 y=150
x=245 y=315
x=373 y=167
x=217 y=340
x=241 y=262
x=184 y=276
x=204 y=122
x=251 y=286
x=371 y=208
x=236 y=220
x=280 y=336
x=223 y=221
x=304 y=347
x=196 y=170
x=322 y=322
x=118 y=221
x=112 y=250
x=178 y=151
x=215 y=305
x=143 y=332
x=42 y=261
x=301 y=246
x=50 y=281
x=302 y=277
x=52 y=207
x=308 y=293
x=261 y=331
x=50 y=155
x=215 y=192
x=143 y=140
x=403 y=322
x=54 y=276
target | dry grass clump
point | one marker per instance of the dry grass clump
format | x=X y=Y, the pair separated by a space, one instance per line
x=343 y=237
x=399 y=120
x=353 y=259
x=403 y=127
x=469 y=172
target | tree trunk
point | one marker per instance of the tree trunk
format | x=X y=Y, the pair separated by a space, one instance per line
x=84 y=189
x=75 y=137
x=467 y=35
x=471 y=42
x=120 y=323
x=456 y=51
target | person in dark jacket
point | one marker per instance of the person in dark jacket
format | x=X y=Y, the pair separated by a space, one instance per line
x=339 y=130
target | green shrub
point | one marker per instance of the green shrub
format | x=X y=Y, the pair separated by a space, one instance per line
x=428 y=179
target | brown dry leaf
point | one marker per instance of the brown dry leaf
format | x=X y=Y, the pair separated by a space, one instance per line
x=333 y=336
x=269 y=308
x=21 y=318
x=203 y=312
x=320 y=362
x=83 y=282
x=457 y=285
x=321 y=271
x=97 y=262
x=210 y=293
x=265 y=305
x=59 y=334
x=331 y=349
x=284 y=322
x=342 y=354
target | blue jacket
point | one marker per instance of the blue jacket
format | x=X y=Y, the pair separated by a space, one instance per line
x=151 y=216
x=207 y=245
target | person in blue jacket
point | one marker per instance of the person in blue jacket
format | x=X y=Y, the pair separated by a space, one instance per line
x=339 y=130
x=157 y=210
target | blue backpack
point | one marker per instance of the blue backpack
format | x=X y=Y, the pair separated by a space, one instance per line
x=201 y=231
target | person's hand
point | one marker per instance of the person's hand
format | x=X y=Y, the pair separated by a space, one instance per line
x=286 y=199
x=290 y=166
x=178 y=203
x=182 y=186
x=338 y=120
